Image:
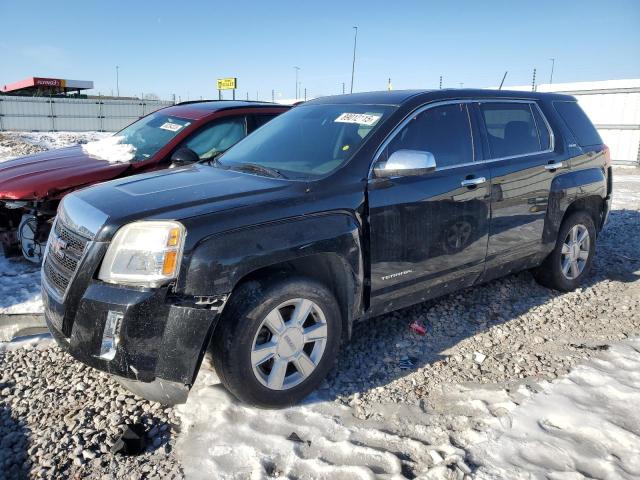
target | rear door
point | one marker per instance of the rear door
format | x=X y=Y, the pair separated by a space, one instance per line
x=428 y=233
x=523 y=164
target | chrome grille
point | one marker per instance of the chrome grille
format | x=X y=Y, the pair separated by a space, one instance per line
x=64 y=252
x=74 y=241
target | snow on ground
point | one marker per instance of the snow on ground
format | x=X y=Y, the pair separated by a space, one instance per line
x=587 y=422
x=39 y=341
x=583 y=425
x=19 y=286
x=17 y=144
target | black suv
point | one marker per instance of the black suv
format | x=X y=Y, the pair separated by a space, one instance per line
x=341 y=209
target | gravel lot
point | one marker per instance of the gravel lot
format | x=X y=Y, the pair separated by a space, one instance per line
x=396 y=392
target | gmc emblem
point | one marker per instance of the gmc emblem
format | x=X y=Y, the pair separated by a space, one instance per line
x=58 y=246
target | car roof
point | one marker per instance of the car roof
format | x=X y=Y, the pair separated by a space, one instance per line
x=197 y=110
x=398 y=97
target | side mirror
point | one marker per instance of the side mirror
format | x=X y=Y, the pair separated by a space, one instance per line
x=184 y=156
x=405 y=163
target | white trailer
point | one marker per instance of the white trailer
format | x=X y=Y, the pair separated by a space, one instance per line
x=613 y=106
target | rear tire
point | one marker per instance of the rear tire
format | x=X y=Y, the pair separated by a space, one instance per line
x=570 y=261
x=277 y=340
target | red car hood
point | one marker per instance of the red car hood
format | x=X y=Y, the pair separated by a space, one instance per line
x=50 y=173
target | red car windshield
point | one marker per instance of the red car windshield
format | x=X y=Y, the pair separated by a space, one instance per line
x=151 y=133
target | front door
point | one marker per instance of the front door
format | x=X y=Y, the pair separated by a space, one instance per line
x=428 y=233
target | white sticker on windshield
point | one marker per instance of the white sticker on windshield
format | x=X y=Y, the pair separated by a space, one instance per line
x=174 y=127
x=359 y=118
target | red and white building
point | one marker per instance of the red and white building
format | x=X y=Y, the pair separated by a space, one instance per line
x=41 y=86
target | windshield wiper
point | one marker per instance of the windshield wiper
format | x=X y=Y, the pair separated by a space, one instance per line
x=256 y=168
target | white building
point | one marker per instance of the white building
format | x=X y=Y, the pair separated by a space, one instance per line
x=614 y=108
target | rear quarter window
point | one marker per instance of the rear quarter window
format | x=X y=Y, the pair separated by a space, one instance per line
x=583 y=130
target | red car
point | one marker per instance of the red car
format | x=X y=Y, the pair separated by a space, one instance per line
x=31 y=187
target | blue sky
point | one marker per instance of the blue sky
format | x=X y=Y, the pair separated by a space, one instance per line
x=181 y=47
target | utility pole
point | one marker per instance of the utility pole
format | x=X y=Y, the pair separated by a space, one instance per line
x=273 y=95
x=343 y=88
x=533 y=81
x=305 y=94
x=117 y=81
x=553 y=64
x=440 y=82
x=297 y=69
x=353 y=64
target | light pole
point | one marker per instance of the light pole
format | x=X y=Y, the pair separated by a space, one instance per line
x=117 y=81
x=353 y=65
x=553 y=64
x=297 y=69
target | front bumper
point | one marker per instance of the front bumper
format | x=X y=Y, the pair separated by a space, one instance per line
x=160 y=343
x=607 y=209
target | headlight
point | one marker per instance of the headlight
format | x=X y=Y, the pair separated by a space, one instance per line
x=145 y=254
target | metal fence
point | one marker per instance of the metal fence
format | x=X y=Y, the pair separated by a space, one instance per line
x=614 y=107
x=72 y=114
x=616 y=114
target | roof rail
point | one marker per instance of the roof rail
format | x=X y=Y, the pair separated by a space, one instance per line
x=187 y=102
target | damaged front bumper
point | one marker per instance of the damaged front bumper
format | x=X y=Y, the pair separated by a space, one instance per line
x=151 y=342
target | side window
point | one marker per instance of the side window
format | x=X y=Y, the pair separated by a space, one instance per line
x=543 y=130
x=217 y=137
x=579 y=124
x=444 y=131
x=260 y=120
x=511 y=129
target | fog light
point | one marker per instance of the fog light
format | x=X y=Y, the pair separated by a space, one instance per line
x=111 y=335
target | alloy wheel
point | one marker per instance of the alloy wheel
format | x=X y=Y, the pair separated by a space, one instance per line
x=289 y=344
x=575 y=251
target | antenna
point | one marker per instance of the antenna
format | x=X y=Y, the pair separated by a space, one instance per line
x=533 y=81
x=503 y=77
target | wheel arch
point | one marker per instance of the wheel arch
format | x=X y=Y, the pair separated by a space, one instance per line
x=328 y=269
x=575 y=191
x=594 y=205
x=324 y=247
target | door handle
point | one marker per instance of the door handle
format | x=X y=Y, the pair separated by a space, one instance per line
x=553 y=166
x=473 y=182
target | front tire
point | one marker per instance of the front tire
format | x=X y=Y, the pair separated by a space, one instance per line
x=277 y=340
x=570 y=261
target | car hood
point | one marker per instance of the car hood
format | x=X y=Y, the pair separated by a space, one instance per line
x=180 y=193
x=52 y=172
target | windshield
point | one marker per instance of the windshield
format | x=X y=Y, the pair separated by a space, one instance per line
x=308 y=141
x=151 y=133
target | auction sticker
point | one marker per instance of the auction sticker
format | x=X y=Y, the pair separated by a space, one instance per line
x=359 y=118
x=174 y=127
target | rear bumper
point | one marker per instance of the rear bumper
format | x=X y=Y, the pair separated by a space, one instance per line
x=160 y=343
